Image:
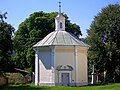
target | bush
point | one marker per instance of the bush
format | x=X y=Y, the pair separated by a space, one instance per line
x=15 y=78
x=2 y=74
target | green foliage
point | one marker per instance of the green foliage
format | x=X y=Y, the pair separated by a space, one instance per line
x=15 y=78
x=104 y=39
x=6 y=46
x=2 y=73
x=32 y=30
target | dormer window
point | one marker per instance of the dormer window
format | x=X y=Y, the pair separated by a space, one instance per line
x=60 y=25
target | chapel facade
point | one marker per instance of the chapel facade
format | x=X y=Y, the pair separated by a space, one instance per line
x=61 y=58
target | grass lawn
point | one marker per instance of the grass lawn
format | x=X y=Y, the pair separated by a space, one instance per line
x=32 y=87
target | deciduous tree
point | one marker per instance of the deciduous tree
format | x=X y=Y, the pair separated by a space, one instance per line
x=6 y=46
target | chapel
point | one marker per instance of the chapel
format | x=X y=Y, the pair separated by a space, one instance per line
x=61 y=58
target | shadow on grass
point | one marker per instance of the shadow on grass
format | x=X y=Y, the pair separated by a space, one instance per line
x=98 y=84
x=23 y=87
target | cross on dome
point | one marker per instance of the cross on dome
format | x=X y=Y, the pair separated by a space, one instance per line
x=59 y=7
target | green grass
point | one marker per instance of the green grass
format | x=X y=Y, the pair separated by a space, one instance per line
x=32 y=87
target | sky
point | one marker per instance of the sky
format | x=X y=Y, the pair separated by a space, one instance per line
x=81 y=12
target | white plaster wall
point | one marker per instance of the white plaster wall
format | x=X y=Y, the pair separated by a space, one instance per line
x=45 y=66
x=81 y=65
x=49 y=59
x=64 y=56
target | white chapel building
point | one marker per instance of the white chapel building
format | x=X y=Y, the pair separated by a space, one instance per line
x=61 y=58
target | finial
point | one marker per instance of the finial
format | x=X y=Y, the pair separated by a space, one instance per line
x=59 y=7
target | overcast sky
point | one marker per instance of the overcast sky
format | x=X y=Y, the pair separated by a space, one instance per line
x=80 y=12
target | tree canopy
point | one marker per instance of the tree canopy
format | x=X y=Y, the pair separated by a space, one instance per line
x=32 y=30
x=104 y=39
x=6 y=46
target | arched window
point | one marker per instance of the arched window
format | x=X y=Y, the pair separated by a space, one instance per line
x=60 y=25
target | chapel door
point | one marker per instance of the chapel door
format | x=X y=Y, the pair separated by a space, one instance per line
x=65 y=79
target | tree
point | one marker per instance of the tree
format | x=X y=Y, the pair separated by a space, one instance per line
x=6 y=46
x=32 y=30
x=104 y=39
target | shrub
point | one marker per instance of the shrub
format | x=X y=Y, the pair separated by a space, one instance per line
x=15 y=78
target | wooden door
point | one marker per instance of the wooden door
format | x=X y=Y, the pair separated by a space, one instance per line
x=65 y=79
